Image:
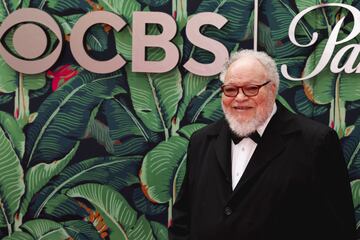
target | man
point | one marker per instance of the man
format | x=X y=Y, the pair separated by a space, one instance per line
x=263 y=172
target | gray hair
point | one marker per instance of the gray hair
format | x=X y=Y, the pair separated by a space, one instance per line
x=262 y=57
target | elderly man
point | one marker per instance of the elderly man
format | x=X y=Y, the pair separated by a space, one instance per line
x=262 y=172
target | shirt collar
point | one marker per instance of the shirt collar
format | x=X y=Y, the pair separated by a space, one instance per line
x=262 y=127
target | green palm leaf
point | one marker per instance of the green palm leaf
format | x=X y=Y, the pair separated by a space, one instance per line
x=350 y=87
x=10 y=79
x=128 y=134
x=19 y=236
x=35 y=81
x=63 y=117
x=144 y=206
x=25 y=3
x=45 y=229
x=279 y=15
x=124 y=120
x=39 y=175
x=154 y=3
x=321 y=18
x=265 y=39
x=114 y=171
x=306 y=107
x=67 y=22
x=5 y=98
x=188 y=130
x=160 y=231
x=159 y=167
x=351 y=148
x=12 y=185
x=123 y=42
x=61 y=6
x=81 y=230
x=275 y=17
x=155 y=97
x=14 y=133
x=124 y=8
x=7 y=7
x=238 y=15
x=99 y=131
x=212 y=111
x=180 y=11
x=179 y=178
x=142 y=230
x=295 y=69
x=286 y=49
x=236 y=12
x=355 y=189
x=63 y=207
x=206 y=107
x=97 y=39
x=113 y=207
x=319 y=89
x=193 y=85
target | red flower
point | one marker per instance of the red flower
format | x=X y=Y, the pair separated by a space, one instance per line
x=61 y=75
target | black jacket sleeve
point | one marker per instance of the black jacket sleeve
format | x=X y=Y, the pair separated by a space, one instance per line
x=333 y=204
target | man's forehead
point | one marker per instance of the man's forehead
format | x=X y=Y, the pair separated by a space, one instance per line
x=246 y=69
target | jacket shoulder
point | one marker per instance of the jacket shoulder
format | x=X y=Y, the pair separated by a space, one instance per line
x=209 y=130
x=310 y=127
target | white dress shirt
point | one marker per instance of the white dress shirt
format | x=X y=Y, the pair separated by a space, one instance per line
x=242 y=152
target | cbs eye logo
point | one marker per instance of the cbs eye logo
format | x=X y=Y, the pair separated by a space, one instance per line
x=30 y=41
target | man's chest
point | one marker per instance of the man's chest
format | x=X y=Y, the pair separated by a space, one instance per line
x=284 y=181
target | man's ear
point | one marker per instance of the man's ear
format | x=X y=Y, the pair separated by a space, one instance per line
x=273 y=88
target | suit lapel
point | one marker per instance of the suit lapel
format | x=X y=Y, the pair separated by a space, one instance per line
x=223 y=149
x=265 y=152
x=271 y=145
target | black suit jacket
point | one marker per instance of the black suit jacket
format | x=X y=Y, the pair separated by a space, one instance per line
x=295 y=186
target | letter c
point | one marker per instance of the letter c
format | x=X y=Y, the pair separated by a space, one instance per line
x=77 y=44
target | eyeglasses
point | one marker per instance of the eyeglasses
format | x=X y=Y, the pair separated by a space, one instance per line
x=248 y=90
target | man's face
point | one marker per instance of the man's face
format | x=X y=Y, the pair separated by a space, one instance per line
x=248 y=110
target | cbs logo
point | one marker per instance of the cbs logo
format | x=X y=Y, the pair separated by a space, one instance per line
x=30 y=42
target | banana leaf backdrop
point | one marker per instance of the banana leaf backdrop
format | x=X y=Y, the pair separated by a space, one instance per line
x=89 y=156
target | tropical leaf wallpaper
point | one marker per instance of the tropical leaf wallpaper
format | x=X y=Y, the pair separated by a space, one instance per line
x=102 y=156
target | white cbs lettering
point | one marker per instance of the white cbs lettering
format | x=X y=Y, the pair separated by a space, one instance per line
x=330 y=45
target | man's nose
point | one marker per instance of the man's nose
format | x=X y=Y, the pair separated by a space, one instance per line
x=241 y=96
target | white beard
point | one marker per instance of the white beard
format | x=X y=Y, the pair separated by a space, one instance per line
x=245 y=128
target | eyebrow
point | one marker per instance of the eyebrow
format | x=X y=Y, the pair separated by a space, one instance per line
x=246 y=83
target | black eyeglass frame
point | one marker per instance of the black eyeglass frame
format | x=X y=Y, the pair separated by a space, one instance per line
x=242 y=89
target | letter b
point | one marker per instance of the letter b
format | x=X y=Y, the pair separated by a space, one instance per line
x=141 y=41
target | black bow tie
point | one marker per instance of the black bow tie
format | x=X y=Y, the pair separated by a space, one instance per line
x=254 y=136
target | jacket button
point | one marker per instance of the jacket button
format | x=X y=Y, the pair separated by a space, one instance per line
x=228 y=211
